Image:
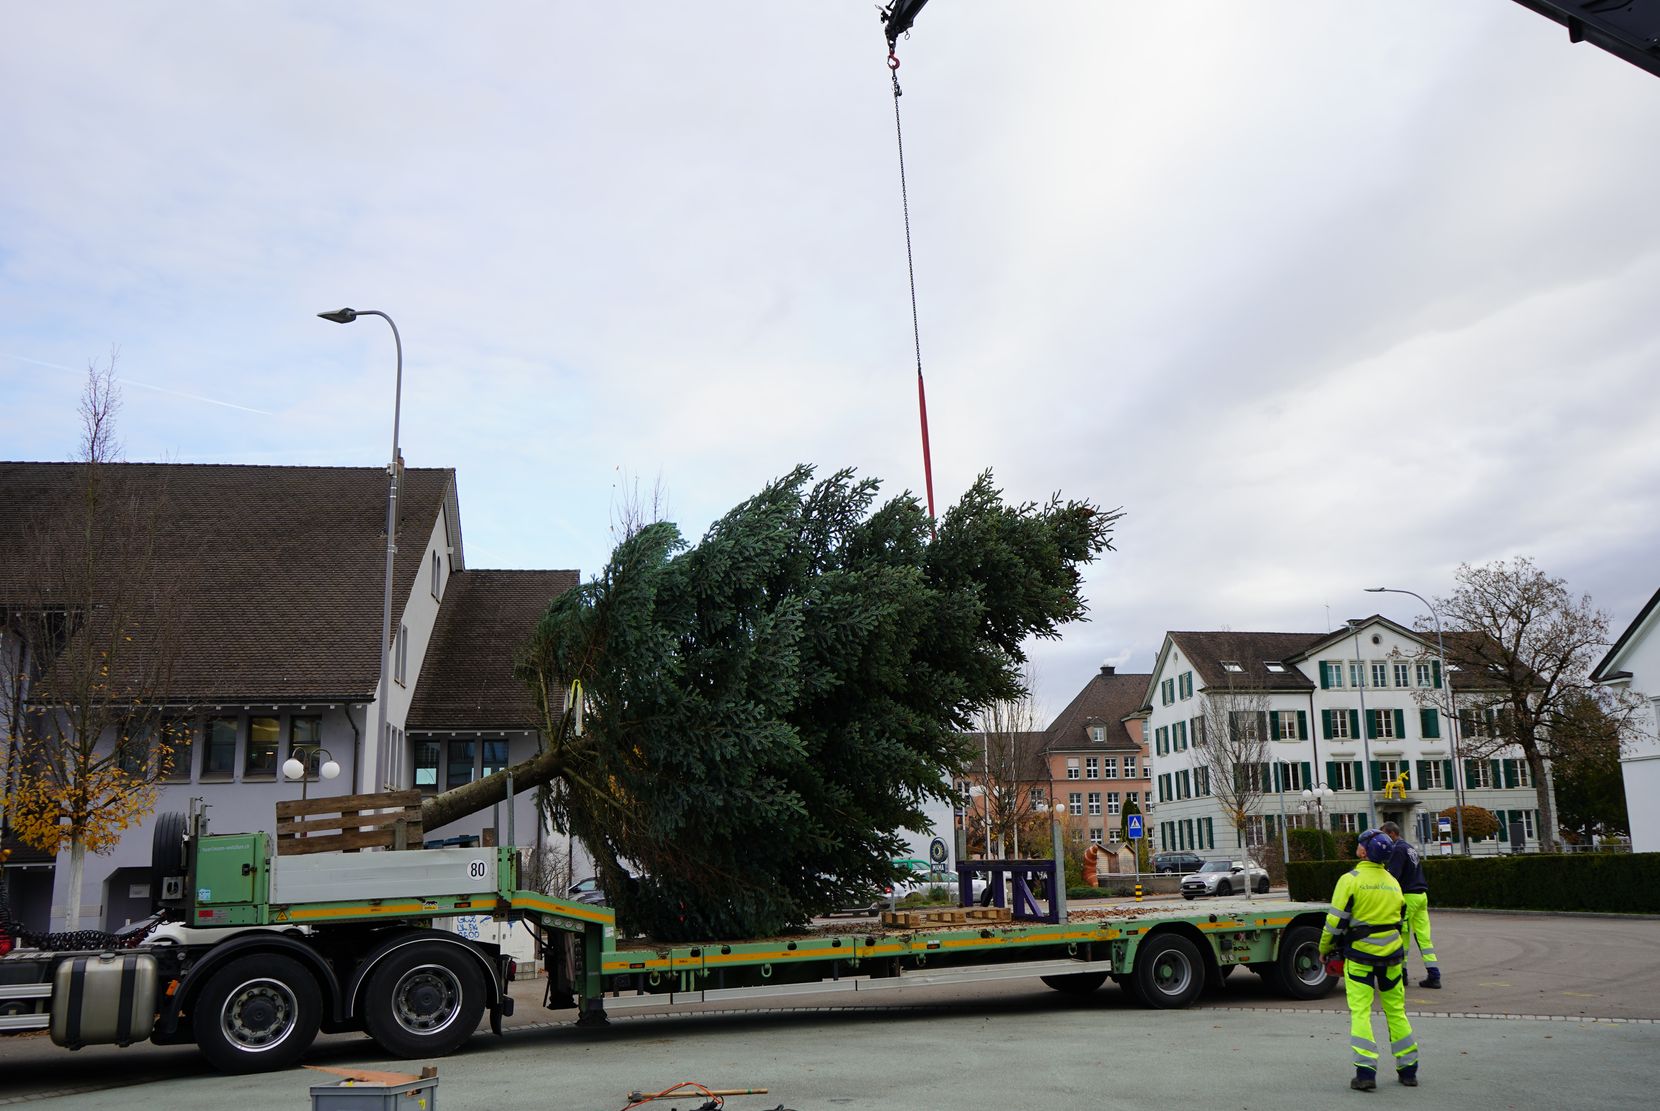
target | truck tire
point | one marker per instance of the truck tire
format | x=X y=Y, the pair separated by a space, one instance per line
x=1299 y=972
x=258 y=1013
x=424 y=1000
x=1168 y=972
x=1075 y=983
x=167 y=855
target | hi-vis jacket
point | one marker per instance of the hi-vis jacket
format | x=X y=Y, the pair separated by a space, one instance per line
x=1365 y=913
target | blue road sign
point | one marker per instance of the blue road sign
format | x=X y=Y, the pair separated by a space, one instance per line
x=1133 y=827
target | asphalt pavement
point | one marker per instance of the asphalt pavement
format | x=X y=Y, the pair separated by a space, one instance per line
x=1538 y=1011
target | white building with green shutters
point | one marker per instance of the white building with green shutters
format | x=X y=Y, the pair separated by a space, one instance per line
x=1354 y=711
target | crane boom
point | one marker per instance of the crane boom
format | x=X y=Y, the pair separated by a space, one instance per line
x=1628 y=29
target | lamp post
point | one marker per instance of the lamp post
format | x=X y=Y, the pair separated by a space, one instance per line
x=1314 y=802
x=378 y=751
x=1359 y=675
x=303 y=760
x=983 y=793
x=1058 y=901
x=1452 y=705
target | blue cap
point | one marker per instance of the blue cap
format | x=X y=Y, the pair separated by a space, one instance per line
x=1376 y=845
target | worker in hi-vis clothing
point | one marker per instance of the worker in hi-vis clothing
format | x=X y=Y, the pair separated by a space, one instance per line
x=1408 y=870
x=1363 y=944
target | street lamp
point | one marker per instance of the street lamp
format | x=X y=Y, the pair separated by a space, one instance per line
x=1314 y=802
x=981 y=791
x=1359 y=675
x=304 y=760
x=1452 y=705
x=1058 y=897
x=382 y=689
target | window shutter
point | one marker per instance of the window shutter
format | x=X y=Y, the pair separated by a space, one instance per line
x=1325 y=723
x=1302 y=725
x=1308 y=779
x=1430 y=721
x=1400 y=723
x=1264 y=720
x=1511 y=779
x=1279 y=784
x=1423 y=772
x=1435 y=673
x=1325 y=676
x=1354 y=724
x=1331 y=774
x=1273 y=733
x=1372 y=725
x=1377 y=775
x=1447 y=774
x=1498 y=772
x=1336 y=822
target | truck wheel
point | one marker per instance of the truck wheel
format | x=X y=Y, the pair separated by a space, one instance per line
x=1075 y=983
x=256 y=1014
x=424 y=1000
x=1168 y=972
x=1299 y=972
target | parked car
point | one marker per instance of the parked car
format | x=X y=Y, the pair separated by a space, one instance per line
x=1223 y=877
x=589 y=891
x=1180 y=863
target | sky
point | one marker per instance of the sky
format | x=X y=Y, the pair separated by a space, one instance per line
x=1323 y=295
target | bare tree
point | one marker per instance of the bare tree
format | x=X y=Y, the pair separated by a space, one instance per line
x=93 y=647
x=1011 y=752
x=1534 y=644
x=1231 y=749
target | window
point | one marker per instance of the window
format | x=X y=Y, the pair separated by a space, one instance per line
x=220 y=759
x=1292 y=775
x=1347 y=823
x=1039 y=797
x=426 y=765
x=1355 y=673
x=1184 y=785
x=1331 y=673
x=1233 y=666
x=132 y=750
x=1095 y=803
x=492 y=757
x=1201 y=781
x=260 y=758
x=1403 y=677
x=1339 y=724
x=1167 y=691
x=179 y=734
x=1129 y=767
x=1383 y=723
x=1095 y=835
x=1243 y=723
x=1097 y=733
x=1478 y=773
x=1112 y=835
x=1289 y=725
x=1422 y=673
x=1164 y=787
x=400 y=656
x=1075 y=803
x=1342 y=775
x=1380 y=673
x=437 y=577
x=459 y=769
x=1162 y=735
x=1092 y=767
x=1072 y=767
x=1112 y=766
x=1431 y=774
x=1391 y=769
x=1186 y=684
x=1113 y=805
x=1274 y=666
x=1178 y=735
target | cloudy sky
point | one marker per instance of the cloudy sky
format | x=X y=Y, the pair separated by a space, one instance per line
x=1323 y=294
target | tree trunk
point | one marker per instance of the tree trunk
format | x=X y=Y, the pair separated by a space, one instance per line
x=77 y=871
x=453 y=805
x=1537 y=767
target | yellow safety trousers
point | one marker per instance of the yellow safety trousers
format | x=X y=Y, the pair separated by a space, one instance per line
x=1417 y=927
x=1358 y=983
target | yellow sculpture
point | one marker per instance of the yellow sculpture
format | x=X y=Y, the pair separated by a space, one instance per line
x=1396 y=788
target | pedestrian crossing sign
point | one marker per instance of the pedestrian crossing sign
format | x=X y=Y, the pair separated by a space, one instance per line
x=1132 y=827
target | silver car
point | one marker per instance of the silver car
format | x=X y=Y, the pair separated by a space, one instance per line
x=1223 y=877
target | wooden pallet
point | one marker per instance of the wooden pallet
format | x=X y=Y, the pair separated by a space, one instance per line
x=349 y=823
x=945 y=916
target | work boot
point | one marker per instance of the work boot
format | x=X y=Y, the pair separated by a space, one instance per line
x=1408 y=1076
x=1432 y=979
x=1366 y=1080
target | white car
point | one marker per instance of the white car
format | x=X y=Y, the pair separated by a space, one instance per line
x=1223 y=877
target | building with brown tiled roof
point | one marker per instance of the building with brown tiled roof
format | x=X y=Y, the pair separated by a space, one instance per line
x=1097 y=755
x=280 y=572
x=1350 y=711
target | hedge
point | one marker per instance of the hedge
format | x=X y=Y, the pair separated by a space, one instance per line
x=1621 y=883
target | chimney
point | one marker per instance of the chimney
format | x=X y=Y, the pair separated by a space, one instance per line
x=1108 y=669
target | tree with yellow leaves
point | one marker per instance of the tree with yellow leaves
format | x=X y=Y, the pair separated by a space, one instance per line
x=88 y=658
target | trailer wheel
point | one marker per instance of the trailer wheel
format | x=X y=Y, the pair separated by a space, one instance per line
x=1168 y=972
x=1299 y=972
x=256 y=1014
x=1075 y=983
x=424 y=1001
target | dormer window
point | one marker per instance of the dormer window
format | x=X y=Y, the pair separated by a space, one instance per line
x=1233 y=666
x=1097 y=733
x=1276 y=668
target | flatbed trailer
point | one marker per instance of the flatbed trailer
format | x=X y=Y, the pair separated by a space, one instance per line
x=257 y=953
